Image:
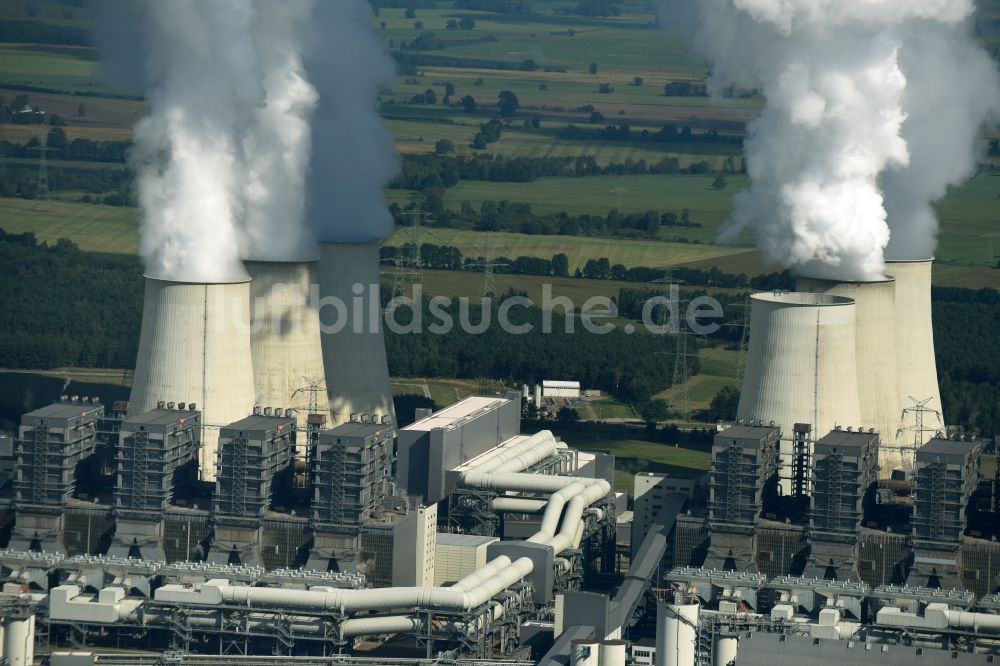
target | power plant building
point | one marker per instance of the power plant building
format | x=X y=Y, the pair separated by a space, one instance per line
x=152 y=448
x=51 y=442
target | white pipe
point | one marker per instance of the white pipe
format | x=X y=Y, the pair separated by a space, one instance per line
x=380 y=599
x=939 y=616
x=550 y=520
x=517 y=505
x=522 y=455
x=482 y=574
x=521 y=482
x=387 y=624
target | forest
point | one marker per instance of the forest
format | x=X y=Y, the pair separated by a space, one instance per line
x=63 y=307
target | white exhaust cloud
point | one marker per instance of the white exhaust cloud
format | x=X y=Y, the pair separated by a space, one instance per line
x=354 y=155
x=203 y=83
x=835 y=153
x=278 y=142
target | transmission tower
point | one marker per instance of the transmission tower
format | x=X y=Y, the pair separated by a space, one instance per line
x=489 y=265
x=407 y=270
x=990 y=238
x=620 y=192
x=744 y=324
x=919 y=410
x=42 y=186
x=312 y=389
x=680 y=399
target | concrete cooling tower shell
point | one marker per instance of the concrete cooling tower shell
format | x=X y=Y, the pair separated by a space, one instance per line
x=918 y=378
x=878 y=373
x=354 y=360
x=285 y=338
x=194 y=347
x=801 y=366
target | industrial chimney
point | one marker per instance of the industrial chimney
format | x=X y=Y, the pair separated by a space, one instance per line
x=801 y=367
x=354 y=360
x=877 y=369
x=195 y=344
x=285 y=339
x=915 y=349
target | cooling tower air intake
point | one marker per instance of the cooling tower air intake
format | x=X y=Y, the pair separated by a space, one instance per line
x=285 y=338
x=878 y=372
x=354 y=360
x=195 y=342
x=801 y=366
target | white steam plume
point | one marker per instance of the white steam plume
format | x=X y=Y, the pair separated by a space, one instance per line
x=834 y=74
x=203 y=82
x=952 y=88
x=277 y=143
x=354 y=155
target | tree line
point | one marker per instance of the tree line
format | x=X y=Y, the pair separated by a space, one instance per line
x=450 y=258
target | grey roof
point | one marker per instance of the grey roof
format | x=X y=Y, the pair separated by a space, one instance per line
x=63 y=410
x=256 y=423
x=938 y=446
x=469 y=540
x=158 y=417
x=844 y=439
x=749 y=435
x=763 y=649
x=352 y=429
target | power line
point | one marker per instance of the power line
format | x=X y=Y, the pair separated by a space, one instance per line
x=42 y=185
x=990 y=256
x=407 y=270
x=489 y=265
x=620 y=192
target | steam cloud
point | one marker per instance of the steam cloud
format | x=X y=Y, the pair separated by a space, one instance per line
x=277 y=144
x=860 y=95
x=204 y=83
x=354 y=156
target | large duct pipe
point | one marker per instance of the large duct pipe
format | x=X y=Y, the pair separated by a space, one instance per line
x=725 y=649
x=801 y=366
x=354 y=360
x=195 y=347
x=285 y=340
x=521 y=456
x=915 y=346
x=19 y=641
x=676 y=633
x=877 y=365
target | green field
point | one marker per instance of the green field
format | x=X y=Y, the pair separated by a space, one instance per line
x=93 y=228
x=578 y=249
x=717 y=371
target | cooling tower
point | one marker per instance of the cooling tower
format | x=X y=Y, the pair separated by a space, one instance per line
x=915 y=346
x=878 y=374
x=195 y=347
x=801 y=366
x=354 y=361
x=285 y=339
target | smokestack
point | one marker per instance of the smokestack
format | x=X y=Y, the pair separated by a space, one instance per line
x=285 y=339
x=877 y=365
x=801 y=367
x=195 y=342
x=915 y=343
x=354 y=360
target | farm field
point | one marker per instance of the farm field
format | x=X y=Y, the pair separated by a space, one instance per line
x=717 y=371
x=94 y=228
x=578 y=249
